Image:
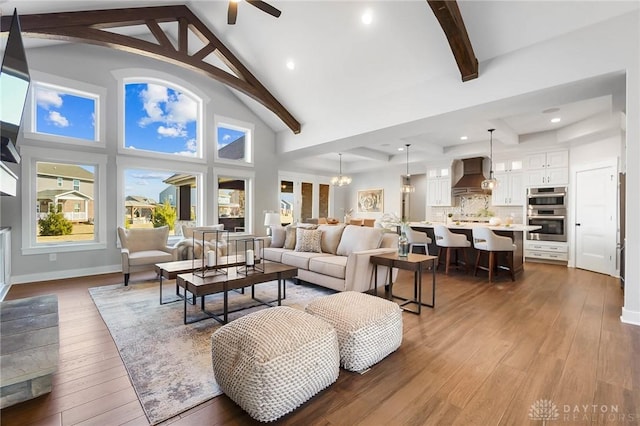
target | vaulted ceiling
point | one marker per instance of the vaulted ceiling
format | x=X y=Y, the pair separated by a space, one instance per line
x=345 y=69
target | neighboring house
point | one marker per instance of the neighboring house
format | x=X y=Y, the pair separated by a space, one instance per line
x=139 y=209
x=67 y=186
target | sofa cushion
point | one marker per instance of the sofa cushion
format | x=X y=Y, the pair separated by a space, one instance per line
x=278 y=235
x=358 y=238
x=300 y=259
x=333 y=266
x=274 y=254
x=331 y=235
x=308 y=240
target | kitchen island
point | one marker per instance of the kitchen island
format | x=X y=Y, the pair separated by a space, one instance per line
x=515 y=232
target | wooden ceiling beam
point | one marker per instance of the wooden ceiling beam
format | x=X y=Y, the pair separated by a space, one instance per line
x=448 y=14
x=89 y=27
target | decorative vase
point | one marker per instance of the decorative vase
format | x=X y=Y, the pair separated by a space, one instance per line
x=403 y=244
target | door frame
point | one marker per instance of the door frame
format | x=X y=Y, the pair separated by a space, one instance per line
x=571 y=217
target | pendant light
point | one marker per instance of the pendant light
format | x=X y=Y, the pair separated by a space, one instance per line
x=340 y=180
x=491 y=183
x=406 y=186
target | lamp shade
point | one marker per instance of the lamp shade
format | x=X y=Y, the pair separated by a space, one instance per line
x=271 y=219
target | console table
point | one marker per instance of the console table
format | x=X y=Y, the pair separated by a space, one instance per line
x=413 y=262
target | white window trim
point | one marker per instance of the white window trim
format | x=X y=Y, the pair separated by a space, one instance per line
x=142 y=75
x=72 y=87
x=249 y=176
x=199 y=171
x=235 y=124
x=32 y=155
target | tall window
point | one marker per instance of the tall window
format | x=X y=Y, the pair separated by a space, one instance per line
x=234 y=140
x=155 y=198
x=65 y=112
x=286 y=201
x=64 y=193
x=162 y=119
x=232 y=203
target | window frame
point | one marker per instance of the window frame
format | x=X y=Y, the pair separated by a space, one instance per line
x=139 y=75
x=72 y=87
x=235 y=124
x=31 y=155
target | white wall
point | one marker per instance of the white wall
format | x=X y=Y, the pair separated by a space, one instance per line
x=92 y=64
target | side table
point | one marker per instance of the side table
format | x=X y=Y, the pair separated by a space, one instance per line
x=413 y=262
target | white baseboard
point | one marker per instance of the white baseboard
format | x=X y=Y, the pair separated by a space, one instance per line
x=630 y=317
x=68 y=273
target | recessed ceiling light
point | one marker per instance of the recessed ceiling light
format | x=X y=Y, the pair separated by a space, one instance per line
x=555 y=120
x=291 y=65
x=401 y=149
x=367 y=17
x=463 y=138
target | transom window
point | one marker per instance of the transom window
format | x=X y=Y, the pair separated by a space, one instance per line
x=65 y=112
x=162 y=119
x=234 y=140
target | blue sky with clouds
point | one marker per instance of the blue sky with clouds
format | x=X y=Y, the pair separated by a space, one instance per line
x=64 y=114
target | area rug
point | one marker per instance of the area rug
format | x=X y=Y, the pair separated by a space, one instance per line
x=169 y=363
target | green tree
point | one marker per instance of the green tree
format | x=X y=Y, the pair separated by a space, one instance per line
x=55 y=224
x=164 y=215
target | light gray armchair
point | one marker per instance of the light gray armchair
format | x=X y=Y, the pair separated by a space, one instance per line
x=142 y=248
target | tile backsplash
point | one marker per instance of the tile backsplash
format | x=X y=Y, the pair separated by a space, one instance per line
x=475 y=207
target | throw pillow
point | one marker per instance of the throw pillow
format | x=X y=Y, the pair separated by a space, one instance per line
x=359 y=238
x=290 y=237
x=331 y=235
x=278 y=235
x=308 y=240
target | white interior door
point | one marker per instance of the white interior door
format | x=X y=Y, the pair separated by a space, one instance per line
x=595 y=219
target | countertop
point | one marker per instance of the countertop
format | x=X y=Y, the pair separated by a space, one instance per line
x=469 y=225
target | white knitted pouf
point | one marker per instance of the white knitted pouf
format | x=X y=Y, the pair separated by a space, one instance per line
x=369 y=327
x=271 y=361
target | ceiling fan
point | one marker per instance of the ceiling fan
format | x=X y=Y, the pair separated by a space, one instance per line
x=263 y=6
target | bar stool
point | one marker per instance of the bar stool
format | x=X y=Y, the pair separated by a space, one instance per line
x=485 y=240
x=448 y=241
x=418 y=239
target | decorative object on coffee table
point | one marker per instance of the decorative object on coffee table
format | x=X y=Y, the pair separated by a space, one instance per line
x=369 y=328
x=268 y=369
x=211 y=262
x=252 y=251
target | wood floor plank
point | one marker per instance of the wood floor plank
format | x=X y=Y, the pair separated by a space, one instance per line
x=482 y=356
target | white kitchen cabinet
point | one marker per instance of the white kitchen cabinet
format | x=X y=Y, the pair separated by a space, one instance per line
x=439 y=191
x=508 y=166
x=510 y=190
x=548 y=168
x=548 y=160
x=546 y=250
x=559 y=176
x=439 y=173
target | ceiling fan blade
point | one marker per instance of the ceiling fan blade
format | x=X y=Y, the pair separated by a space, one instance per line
x=232 y=13
x=265 y=7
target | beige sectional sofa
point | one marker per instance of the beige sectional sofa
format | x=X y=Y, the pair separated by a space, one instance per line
x=333 y=256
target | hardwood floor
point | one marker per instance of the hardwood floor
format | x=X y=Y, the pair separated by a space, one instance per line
x=483 y=356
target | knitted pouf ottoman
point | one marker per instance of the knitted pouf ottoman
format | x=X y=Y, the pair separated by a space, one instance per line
x=369 y=327
x=271 y=361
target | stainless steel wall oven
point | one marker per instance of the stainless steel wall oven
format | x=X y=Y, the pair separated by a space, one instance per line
x=547 y=208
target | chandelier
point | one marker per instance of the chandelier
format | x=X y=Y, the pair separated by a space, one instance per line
x=491 y=183
x=406 y=185
x=340 y=180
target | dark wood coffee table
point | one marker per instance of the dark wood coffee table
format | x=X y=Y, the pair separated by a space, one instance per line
x=222 y=283
x=413 y=262
x=171 y=270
